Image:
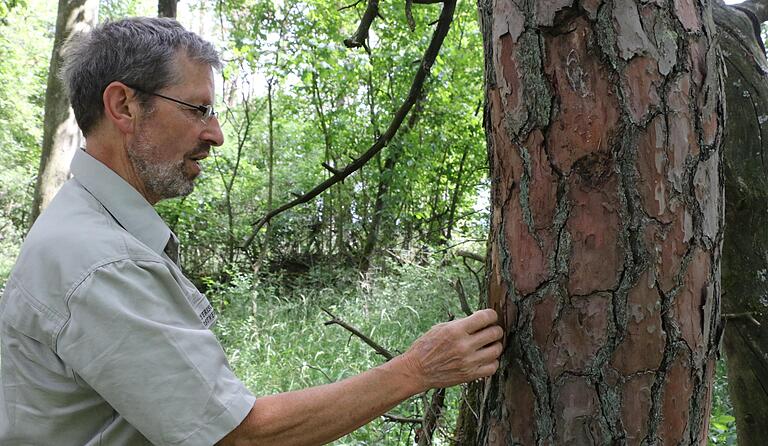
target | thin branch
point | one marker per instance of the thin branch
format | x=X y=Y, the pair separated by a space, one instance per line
x=400 y=419
x=459 y=287
x=350 y=6
x=378 y=348
x=361 y=34
x=330 y=168
x=446 y=17
x=328 y=378
x=476 y=276
x=432 y=417
x=748 y=316
x=409 y=15
x=470 y=255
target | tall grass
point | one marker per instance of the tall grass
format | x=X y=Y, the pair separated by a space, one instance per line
x=274 y=334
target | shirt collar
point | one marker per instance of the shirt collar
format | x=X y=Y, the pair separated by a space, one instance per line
x=131 y=210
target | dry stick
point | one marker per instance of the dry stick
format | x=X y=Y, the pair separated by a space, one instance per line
x=400 y=419
x=471 y=255
x=328 y=378
x=748 y=316
x=459 y=287
x=432 y=416
x=437 y=403
x=444 y=24
x=379 y=349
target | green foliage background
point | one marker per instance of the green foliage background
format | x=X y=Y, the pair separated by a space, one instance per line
x=329 y=104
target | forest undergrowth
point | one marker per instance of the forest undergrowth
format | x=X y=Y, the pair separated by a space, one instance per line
x=273 y=330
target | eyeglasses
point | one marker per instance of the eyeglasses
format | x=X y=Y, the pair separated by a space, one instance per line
x=206 y=111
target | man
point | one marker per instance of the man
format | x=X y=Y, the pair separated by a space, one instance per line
x=104 y=341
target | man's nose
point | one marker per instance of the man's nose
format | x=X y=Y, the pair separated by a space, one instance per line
x=212 y=133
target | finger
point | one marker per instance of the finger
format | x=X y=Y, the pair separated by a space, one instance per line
x=487 y=335
x=487 y=370
x=486 y=354
x=478 y=320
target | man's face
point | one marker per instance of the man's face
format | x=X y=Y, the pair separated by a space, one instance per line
x=172 y=138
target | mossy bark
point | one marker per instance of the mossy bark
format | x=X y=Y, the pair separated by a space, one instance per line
x=604 y=122
x=61 y=136
x=745 y=252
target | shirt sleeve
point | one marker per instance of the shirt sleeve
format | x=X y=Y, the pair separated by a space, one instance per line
x=135 y=339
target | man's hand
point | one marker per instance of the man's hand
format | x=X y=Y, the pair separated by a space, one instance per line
x=456 y=352
x=448 y=354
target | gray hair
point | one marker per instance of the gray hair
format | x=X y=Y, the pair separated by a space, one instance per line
x=137 y=51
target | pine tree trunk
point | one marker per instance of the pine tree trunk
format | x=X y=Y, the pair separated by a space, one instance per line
x=745 y=252
x=61 y=136
x=604 y=124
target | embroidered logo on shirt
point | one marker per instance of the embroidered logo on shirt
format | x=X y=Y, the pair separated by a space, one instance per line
x=203 y=308
x=207 y=316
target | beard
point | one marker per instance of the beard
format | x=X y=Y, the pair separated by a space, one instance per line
x=162 y=179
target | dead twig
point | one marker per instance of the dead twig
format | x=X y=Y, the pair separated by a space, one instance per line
x=400 y=419
x=371 y=343
x=432 y=417
x=349 y=6
x=470 y=255
x=318 y=369
x=748 y=316
x=480 y=284
x=459 y=287
x=430 y=54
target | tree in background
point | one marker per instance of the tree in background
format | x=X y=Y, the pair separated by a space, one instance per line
x=329 y=104
x=61 y=136
x=166 y=8
x=604 y=124
x=745 y=248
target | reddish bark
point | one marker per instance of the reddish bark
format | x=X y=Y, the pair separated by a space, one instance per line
x=604 y=123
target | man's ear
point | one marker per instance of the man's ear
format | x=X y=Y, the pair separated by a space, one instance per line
x=120 y=106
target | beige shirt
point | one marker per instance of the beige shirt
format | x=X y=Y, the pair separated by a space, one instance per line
x=103 y=340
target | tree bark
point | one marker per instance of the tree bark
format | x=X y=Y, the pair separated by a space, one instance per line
x=604 y=123
x=166 y=8
x=745 y=252
x=61 y=136
x=456 y=195
x=326 y=243
x=386 y=174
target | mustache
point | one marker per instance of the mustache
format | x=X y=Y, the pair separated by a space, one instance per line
x=200 y=149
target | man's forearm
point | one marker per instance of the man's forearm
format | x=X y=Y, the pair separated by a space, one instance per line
x=318 y=415
x=448 y=354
